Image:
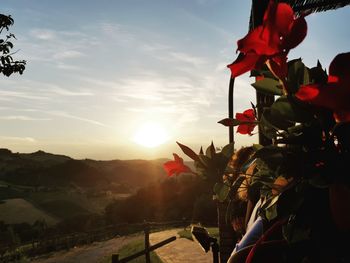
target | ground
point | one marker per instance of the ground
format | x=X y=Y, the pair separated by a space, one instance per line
x=181 y=250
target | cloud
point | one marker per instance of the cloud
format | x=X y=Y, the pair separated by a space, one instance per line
x=70 y=116
x=68 y=54
x=10 y=95
x=65 y=66
x=43 y=34
x=186 y=58
x=22 y=118
x=65 y=92
x=16 y=140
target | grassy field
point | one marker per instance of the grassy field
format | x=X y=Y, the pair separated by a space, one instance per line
x=213 y=231
x=131 y=249
x=19 y=210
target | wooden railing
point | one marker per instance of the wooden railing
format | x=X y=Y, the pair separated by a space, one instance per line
x=66 y=242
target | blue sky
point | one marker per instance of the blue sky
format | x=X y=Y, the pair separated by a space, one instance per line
x=98 y=71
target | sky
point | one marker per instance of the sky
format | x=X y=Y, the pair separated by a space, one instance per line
x=100 y=72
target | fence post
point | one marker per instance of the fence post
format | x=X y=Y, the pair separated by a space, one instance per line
x=147 y=255
x=115 y=258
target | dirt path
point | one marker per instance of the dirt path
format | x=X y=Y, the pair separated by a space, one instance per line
x=90 y=253
x=181 y=250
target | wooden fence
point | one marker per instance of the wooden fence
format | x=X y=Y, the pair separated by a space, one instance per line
x=66 y=242
x=147 y=250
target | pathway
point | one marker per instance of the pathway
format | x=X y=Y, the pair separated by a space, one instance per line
x=93 y=253
x=181 y=250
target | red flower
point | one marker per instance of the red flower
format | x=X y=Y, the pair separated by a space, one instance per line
x=272 y=40
x=335 y=94
x=176 y=167
x=248 y=117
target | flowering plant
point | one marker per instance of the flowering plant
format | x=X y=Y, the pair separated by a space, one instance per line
x=303 y=175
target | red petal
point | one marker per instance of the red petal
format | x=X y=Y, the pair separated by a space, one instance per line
x=255 y=42
x=340 y=66
x=245 y=63
x=308 y=92
x=278 y=17
x=284 y=17
x=177 y=158
x=241 y=117
x=277 y=21
x=333 y=96
x=278 y=66
x=249 y=114
x=297 y=33
x=246 y=128
x=342 y=116
x=176 y=166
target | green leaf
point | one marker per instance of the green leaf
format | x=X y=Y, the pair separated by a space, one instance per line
x=276 y=121
x=318 y=75
x=228 y=150
x=271 y=212
x=205 y=160
x=265 y=72
x=188 y=151
x=257 y=146
x=298 y=75
x=221 y=190
x=210 y=152
x=267 y=128
x=294 y=233
x=285 y=108
x=268 y=86
x=230 y=122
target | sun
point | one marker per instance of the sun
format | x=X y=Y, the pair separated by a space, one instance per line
x=151 y=135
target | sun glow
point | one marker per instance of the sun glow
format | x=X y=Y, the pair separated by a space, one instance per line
x=151 y=135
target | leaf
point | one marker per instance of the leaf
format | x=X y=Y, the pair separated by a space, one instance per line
x=267 y=128
x=257 y=146
x=268 y=86
x=265 y=72
x=188 y=151
x=298 y=75
x=285 y=108
x=318 y=75
x=201 y=150
x=210 y=152
x=276 y=121
x=271 y=212
x=204 y=160
x=229 y=122
x=221 y=190
x=228 y=150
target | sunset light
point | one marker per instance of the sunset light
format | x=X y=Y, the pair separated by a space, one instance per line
x=150 y=135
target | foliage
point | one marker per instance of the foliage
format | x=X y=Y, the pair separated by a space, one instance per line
x=172 y=199
x=8 y=65
x=303 y=176
x=213 y=232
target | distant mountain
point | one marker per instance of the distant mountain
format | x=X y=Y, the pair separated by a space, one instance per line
x=52 y=170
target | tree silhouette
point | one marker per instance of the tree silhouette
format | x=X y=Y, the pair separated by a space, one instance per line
x=7 y=64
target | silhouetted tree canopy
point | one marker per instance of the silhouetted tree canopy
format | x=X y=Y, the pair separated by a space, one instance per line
x=7 y=64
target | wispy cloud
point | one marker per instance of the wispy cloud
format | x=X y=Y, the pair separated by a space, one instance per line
x=9 y=95
x=43 y=34
x=15 y=140
x=70 y=116
x=68 y=54
x=22 y=118
x=65 y=92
